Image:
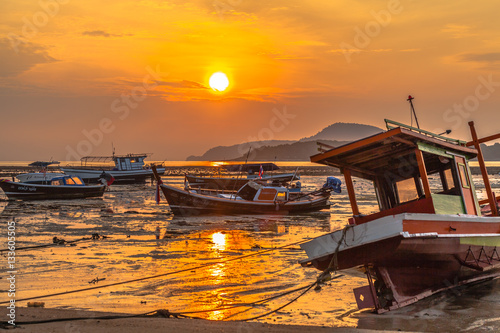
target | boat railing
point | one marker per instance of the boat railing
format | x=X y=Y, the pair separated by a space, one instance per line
x=391 y=124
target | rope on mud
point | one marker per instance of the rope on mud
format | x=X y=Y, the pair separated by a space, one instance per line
x=157 y=275
x=333 y=266
x=58 y=241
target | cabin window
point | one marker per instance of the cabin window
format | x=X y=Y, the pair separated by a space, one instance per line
x=247 y=192
x=267 y=194
x=281 y=196
x=407 y=190
x=70 y=181
x=462 y=171
x=77 y=181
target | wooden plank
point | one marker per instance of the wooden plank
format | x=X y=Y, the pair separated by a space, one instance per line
x=423 y=173
x=425 y=147
x=484 y=172
x=350 y=190
x=485 y=139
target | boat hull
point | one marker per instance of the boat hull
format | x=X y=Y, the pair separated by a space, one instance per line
x=123 y=177
x=23 y=191
x=410 y=266
x=235 y=183
x=186 y=203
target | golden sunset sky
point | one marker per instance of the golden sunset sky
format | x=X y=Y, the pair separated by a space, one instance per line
x=78 y=75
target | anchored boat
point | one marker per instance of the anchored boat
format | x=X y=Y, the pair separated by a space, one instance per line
x=41 y=176
x=251 y=198
x=65 y=187
x=254 y=172
x=128 y=168
x=428 y=233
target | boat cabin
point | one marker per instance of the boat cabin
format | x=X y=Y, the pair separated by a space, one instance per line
x=411 y=171
x=122 y=162
x=67 y=180
x=255 y=192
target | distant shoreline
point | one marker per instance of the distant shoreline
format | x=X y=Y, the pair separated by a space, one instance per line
x=310 y=169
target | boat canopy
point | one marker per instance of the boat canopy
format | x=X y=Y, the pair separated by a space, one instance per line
x=251 y=168
x=42 y=164
x=411 y=170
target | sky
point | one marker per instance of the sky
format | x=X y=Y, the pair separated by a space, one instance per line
x=80 y=76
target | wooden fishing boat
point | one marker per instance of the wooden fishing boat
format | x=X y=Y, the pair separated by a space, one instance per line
x=65 y=187
x=254 y=172
x=252 y=198
x=428 y=234
x=128 y=168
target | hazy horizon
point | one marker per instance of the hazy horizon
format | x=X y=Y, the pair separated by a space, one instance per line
x=78 y=76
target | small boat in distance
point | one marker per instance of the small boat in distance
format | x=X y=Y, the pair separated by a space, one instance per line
x=65 y=187
x=128 y=168
x=427 y=233
x=254 y=172
x=251 y=198
x=41 y=176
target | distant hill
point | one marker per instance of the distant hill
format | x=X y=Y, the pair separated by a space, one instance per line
x=288 y=150
x=344 y=132
x=298 y=151
x=491 y=153
x=225 y=153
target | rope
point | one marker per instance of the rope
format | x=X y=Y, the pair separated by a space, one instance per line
x=58 y=241
x=157 y=275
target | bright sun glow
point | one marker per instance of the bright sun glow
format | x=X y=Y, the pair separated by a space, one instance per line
x=218 y=81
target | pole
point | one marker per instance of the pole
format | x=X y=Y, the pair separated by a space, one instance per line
x=484 y=172
x=238 y=177
x=410 y=98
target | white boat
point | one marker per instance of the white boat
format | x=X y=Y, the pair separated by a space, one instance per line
x=41 y=176
x=128 y=168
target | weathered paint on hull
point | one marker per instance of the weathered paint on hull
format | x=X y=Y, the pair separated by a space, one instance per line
x=185 y=203
x=24 y=191
x=409 y=267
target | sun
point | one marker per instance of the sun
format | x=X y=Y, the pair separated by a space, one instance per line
x=218 y=81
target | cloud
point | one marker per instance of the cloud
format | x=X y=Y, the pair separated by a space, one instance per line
x=458 y=31
x=18 y=56
x=101 y=33
x=184 y=84
x=481 y=57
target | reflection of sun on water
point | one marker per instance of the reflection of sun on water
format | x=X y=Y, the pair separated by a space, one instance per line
x=219 y=240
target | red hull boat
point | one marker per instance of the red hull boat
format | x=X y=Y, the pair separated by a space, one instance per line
x=429 y=234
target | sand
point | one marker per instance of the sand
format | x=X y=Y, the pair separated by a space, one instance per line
x=149 y=325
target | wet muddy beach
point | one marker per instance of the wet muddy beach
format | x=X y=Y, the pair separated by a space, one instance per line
x=146 y=240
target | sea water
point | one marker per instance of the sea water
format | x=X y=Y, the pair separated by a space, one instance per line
x=145 y=240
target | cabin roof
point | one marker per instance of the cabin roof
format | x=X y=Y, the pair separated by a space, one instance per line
x=112 y=158
x=382 y=152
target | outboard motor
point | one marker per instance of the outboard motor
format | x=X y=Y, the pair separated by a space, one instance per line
x=333 y=184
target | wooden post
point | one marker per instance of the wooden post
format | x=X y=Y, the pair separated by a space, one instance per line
x=484 y=171
x=423 y=173
x=350 y=191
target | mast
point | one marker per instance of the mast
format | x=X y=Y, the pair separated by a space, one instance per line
x=410 y=98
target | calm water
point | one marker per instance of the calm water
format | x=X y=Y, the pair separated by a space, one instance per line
x=130 y=217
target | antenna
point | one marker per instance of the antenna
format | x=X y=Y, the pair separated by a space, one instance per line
x=410 y=98
x=113 y=149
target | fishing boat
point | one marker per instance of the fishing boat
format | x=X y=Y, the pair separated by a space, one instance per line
x=41 y=176
x=254 y=172
x=251 y=198
x=128 y=168
x=427 y=234
x=65 y=187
